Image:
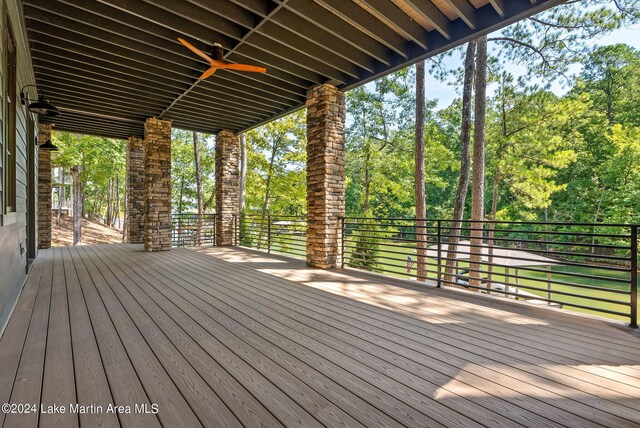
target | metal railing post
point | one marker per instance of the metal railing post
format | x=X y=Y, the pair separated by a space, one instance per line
x=268 y=233
x=342 y=242
x=634 y=277
x=234 y=240
x=439 y=237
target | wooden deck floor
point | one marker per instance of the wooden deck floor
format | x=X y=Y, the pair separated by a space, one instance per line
x=232 y=337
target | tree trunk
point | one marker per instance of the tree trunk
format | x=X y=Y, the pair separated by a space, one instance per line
x=463 y=178
x=367 y=183
x=126 y=210
x=97 y=210
x=267 y=191
x=116 y=217
x=243 y=169
x=595 y=219
x=196 y=157
x=492 y=226
x=421 y=206
x=477 y=189
x=83 y=214
x=61 y=194
x=77 y=204
x=180 y=210
x=109 y=214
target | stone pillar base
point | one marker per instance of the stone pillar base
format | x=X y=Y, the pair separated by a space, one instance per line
x=157 y=185
x=227 y=187
x=44 y=188
x=135 y=191
x=325 y=175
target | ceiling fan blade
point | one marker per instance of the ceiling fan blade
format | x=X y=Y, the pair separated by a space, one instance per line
x=244 y=67
x=208 y=73
x=196 y=51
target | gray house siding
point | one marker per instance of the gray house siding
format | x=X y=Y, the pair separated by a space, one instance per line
x=13 y=226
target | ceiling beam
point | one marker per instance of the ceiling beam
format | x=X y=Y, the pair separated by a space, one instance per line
x=499 y=6
x=353 y=14
x=402 y=23
x=430 y=13
x=464 y=10
x=311 y=15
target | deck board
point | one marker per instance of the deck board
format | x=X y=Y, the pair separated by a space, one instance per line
x=92 y=385
x=28 y=379
x=58 y=383
x=235 y=337
x=127 y=387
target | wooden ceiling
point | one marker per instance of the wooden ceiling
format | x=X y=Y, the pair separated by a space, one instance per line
x=110 y=64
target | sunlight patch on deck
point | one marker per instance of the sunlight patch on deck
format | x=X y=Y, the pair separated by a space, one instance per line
x=548 y=382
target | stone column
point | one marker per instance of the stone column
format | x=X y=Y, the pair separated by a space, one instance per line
x=44 y=188
x=157 y=185
x=227 y=186
x=325 y=175
x=135 y=191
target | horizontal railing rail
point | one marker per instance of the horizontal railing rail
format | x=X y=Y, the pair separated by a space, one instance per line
x=587 y=267
x=192 y=230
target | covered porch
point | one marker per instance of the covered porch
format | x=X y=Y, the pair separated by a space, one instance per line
x=226 y=336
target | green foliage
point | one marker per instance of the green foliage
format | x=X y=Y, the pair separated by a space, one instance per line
x=183 y=172
x=547 y=44
x=246 y=237
x=101 y=159
x=365 y=245
x=380 y=141
x=276 y=174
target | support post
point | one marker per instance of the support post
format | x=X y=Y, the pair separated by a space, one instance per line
x=227 y=186
x=325 y=174
x=157 y=185
x=633 y=321
x=134 y=210
x=439 y=240
x=44 y=188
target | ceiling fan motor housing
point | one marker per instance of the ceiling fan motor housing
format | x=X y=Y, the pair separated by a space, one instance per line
x=218 y=52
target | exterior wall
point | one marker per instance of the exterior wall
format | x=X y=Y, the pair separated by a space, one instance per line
x=325 y=174
x=135 y=191
x=227 y=186
x=157 y=185
x=44 y=189
x=13 y=235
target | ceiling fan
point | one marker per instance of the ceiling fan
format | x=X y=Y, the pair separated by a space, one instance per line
x=219 y=63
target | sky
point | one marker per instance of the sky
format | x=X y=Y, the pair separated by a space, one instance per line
x=445 y=93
